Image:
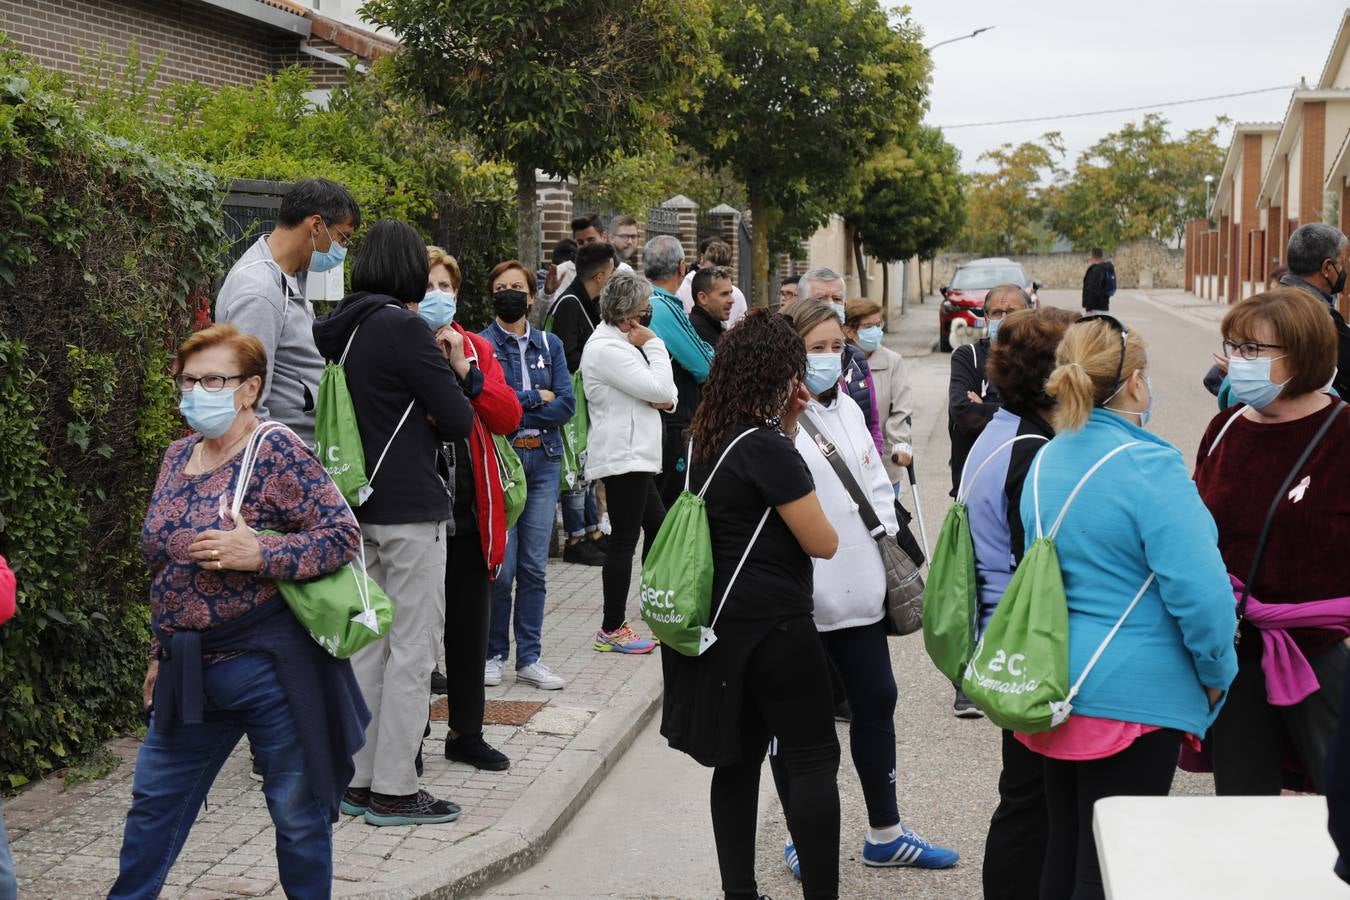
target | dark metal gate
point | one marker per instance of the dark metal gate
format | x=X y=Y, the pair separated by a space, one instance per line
x=250 y=210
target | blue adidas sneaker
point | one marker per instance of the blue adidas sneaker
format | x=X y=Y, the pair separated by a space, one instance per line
x=790 y=857
x=908 y=850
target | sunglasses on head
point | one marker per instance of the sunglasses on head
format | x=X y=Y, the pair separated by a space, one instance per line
x=1124 y=338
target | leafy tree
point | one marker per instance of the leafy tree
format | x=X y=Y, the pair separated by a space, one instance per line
x=635 y=182
x=912 y=199
x=1008 y=204
x=1137 y=182
x=805 y=92
x=552 y=85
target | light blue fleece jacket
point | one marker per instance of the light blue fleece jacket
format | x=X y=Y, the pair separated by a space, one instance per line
x=675 y=330
x=1139 y=513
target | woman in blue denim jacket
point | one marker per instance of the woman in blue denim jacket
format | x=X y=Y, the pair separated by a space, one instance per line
x=535 y=366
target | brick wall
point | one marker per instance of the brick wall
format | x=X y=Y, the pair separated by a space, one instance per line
x=198 y=42
x=1312 y=168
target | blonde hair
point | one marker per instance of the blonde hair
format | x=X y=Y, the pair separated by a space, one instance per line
x=1086 y=363
x=249 y=352
x=438 y=257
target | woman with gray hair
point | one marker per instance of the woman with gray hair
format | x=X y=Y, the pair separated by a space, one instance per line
x=629 y=383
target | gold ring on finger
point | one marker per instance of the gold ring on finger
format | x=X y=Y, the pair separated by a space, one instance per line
x=215 y=554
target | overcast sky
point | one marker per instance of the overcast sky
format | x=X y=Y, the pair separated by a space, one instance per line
x=1046 y=57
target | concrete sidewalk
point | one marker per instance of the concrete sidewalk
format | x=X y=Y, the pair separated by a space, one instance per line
x=66 y=842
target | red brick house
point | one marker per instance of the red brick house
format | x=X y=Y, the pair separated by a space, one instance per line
x=215 y=42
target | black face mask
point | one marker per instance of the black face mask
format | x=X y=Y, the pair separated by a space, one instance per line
x=510 y=306
x=645 y=320
x=1339 y=284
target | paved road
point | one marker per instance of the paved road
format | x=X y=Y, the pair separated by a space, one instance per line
x=646 y=832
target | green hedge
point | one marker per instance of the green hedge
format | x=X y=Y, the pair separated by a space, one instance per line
x=103 y=257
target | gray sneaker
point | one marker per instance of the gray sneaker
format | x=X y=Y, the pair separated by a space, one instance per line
x=492 y=671
x=539 y=675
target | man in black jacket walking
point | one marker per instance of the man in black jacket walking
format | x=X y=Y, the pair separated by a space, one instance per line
x=1099 y=283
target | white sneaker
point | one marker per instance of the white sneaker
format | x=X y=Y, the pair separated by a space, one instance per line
x=492 y=671
x=539 y=675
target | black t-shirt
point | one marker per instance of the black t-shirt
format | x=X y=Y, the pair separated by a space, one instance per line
x=763 y=470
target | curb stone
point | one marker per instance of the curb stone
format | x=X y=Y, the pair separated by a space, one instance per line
x=534 y=821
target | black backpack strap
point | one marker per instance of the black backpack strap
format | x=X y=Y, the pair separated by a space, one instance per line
x=1275 y=505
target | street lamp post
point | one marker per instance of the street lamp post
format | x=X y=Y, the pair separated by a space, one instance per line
x=965 y=37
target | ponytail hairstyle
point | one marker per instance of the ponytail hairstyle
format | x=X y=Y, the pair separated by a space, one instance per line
x=1093 y=361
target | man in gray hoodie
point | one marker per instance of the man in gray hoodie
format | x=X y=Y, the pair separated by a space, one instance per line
x=264 y=295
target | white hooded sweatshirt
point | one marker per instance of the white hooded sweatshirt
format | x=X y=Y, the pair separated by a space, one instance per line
x=850 y=587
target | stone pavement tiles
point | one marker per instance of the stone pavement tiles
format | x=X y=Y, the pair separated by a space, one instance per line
x=66 y=843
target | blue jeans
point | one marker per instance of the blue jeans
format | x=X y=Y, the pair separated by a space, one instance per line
x=579 y=511
x=174 y=772
x=9 y=888
x=526 y=563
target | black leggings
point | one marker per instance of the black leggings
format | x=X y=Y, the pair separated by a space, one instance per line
x=787 y=694
x=862 y=659
x=1015 y=847
x=634 y=505
x=467 y=602
x=1143 y=769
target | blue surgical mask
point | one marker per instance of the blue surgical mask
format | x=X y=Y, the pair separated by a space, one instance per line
x=328 y=259
x=869 y=338
x=437 y=309
x=209 y=413
x=822 y=371
x=838 y=311
x=991 y=328
x=1250 y=381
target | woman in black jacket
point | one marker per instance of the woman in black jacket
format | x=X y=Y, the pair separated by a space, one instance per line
x=407 y=401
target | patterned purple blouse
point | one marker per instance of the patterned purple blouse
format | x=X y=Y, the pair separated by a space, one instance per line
x=289 y=493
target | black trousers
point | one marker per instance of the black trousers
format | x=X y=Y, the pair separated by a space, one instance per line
x=674 y=466
x=862 y=659
x=1015 y=847
x=1250 y=736
x=467 y=603
x=787 y=695
x=634 y=506
x=1143 y=769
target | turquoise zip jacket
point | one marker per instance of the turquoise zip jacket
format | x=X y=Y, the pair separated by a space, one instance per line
x=691 y=355
x=1139 y=513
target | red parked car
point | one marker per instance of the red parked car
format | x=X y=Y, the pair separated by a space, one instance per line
x=963 y=299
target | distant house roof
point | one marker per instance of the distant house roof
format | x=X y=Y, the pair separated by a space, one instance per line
x=301 y=20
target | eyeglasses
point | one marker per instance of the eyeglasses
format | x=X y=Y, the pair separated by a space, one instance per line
x=210 y=383
x=1248 y=350
x=989 y=313
x=1124 y=340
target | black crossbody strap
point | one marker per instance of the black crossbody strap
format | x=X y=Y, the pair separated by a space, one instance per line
x=1275 y=505
x=831 y=454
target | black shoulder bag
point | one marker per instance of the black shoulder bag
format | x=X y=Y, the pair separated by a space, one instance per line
x=904 y=583
x=1270 y=516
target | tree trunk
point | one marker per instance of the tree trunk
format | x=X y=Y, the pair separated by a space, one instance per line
x=859 y=264
x=759 y=222
x=886 y=294
x=527 y=216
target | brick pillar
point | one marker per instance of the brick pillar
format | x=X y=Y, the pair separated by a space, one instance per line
x=1225 y=250
x=1258 y=251
x=1234 y=260
x=687 y=210
x=1312 y=166
x=555 y=216
x=1251 y=186
x=1286 y=226
x=1189 y=282
x=1345 y=207
x=1275 y=238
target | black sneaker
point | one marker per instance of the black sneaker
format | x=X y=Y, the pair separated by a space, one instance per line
x=601 y=542
x=475 y=751
x=355 y=801
x=439 y=683
x=963 y=708
x=414 y=809
x=583 y=553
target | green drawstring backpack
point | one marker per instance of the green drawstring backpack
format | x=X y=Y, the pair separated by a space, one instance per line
x=512 y=473
x=344 y=610
x=675 y=593
x=337 y=439
x=1019 y=674
x=951 y=608
x=576 y=430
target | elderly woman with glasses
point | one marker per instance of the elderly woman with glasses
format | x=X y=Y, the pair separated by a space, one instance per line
x=1253 y=474
x=629 y=384
x=228 y=658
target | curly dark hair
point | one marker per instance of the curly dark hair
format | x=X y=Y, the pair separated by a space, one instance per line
x=750 y=381
x=1023 y=357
